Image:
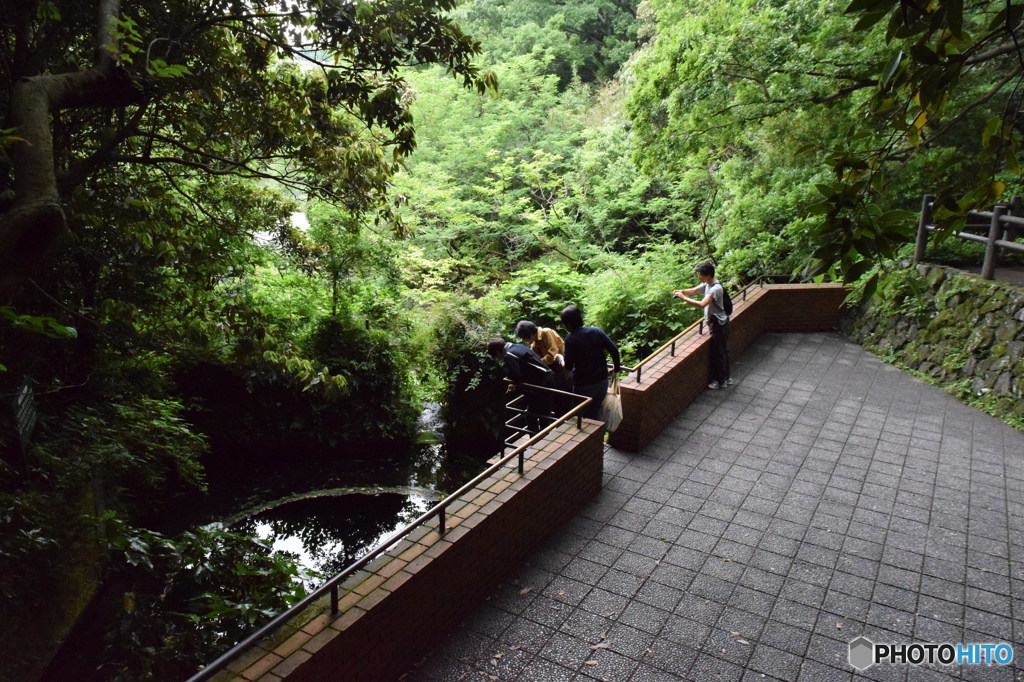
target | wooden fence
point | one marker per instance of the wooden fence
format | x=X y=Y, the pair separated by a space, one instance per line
x=1002 y=221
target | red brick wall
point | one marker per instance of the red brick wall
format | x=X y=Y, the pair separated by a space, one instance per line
x=396 y=610
x=668 y=384
x=804 y=307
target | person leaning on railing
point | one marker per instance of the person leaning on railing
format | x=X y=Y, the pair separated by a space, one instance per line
x=549 y=347
x=523 y=366
x=712 y=302
x=586 y=356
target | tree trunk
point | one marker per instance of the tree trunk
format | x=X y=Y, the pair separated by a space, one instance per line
x=35 y=221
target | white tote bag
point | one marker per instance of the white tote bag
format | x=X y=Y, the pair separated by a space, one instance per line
x=611 y=407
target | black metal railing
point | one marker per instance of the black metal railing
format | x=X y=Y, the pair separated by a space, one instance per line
x=438 y=511
x=519 y=423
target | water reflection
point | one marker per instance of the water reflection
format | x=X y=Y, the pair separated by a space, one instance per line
x=330 y=512
x=328 y=530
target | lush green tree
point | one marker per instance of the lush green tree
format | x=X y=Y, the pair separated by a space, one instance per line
x=863 y=121
x=588 y=39
x=949 y=78
x=482 y=188
x=151 y=158
x=185 y=90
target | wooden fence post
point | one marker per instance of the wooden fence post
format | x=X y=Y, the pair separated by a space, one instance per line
x=1017 y=210
x=922 y=228
x=988 y=268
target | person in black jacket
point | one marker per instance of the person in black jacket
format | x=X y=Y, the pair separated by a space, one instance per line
x=586 y=355
x=523 y=366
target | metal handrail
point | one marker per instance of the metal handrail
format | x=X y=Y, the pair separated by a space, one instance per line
x=510 y=406
x=437 y=510
x=699 y=325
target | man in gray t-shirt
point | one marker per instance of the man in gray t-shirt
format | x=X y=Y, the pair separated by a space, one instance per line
x=711 y=298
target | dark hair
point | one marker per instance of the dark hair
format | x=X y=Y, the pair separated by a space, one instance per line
x=572 y=317
x=526 y=329
x=706 y=269
x=496 y=346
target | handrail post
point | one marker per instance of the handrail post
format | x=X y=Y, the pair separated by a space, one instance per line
x=988 y=268
x=521 y=459
x=441 y=530
x=334 y=599
x=673 y=353
x=922 y=227
x=639 y=372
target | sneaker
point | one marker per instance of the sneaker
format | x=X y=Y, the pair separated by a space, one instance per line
x=714 y=385
x=728 y=382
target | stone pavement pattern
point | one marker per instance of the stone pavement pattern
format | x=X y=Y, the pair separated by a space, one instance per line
x=824 y=496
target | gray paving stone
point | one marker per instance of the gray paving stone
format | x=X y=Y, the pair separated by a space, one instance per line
x=541 y=670
x=824 y=496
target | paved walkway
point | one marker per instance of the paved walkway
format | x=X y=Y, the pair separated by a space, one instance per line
x=824 y=496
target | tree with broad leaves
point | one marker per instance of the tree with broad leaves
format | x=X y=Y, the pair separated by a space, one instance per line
x=949 y=70
x=306 y=93
x=882 y=96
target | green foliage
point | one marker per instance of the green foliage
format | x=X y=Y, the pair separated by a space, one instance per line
x=630 y=298
x=901 y=292
x=538 y=293
x=378 y=403
x=864 y=121
x=588 y=39
x=186 y=599
x=473 y=393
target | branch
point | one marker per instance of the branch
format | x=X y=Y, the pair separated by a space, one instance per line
x=36 y=217
x=993 y=53
x=843 y=92
x=106 y=32
x=993 y=91
x=83 y=168
x=236 y=169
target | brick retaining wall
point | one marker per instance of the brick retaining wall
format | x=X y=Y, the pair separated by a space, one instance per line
x=670 y=383
x=396 y=609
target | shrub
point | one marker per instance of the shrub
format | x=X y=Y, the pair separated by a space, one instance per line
x=631 y=298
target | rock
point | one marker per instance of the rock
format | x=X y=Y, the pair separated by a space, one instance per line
x=934 y=275
x=980 y=338
x=1002 y=385
x=1007 y=330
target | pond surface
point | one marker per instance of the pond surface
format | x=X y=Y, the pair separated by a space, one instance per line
x=330 y=513
x=329 y=529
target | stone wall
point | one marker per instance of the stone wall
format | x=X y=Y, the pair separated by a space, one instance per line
x=965 y=332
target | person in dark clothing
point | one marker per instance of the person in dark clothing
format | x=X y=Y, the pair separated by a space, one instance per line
x=711 y=299
x=523 y=366
x=586 y=355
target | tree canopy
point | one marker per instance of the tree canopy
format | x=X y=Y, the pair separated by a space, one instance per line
x=875 y=91
x=307 y=94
